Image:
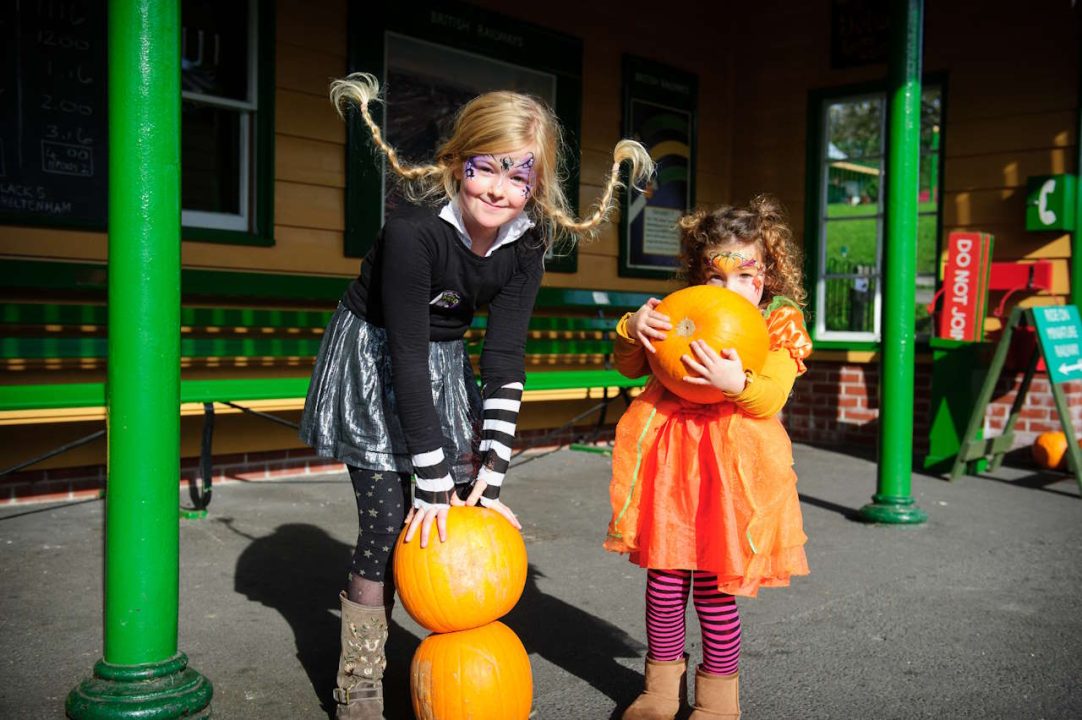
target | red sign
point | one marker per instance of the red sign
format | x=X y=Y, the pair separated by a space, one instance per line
x=965 y=286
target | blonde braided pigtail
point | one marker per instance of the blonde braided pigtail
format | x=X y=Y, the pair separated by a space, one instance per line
x=362 y=89
x=642 y=168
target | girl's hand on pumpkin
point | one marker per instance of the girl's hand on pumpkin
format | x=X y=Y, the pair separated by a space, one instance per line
x=422 y=518
x=475 y=497
x=648 y=323
x=724 y=371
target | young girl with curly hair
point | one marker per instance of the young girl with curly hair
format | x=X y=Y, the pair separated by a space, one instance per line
x=704 y=496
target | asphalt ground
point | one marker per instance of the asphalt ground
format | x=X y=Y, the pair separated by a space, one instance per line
x=976 y=613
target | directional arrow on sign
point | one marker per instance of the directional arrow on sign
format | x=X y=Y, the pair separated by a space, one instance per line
x=1065 y=368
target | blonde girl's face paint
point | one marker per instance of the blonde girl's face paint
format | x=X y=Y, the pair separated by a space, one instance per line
x=495 y=189
x=737 y=268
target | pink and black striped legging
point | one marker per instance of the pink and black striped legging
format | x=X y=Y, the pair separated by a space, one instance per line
x=666 y=627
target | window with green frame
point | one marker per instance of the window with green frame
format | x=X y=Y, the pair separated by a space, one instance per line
x=846 y=212
x=227 y=112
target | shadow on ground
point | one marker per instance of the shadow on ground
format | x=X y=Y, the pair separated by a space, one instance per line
x=298 y=570
x=582 y=644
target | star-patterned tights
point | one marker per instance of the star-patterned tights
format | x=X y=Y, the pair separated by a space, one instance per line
x=382 y=503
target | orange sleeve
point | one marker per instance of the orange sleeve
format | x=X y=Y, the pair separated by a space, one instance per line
x=768 y=390
x=628 y=354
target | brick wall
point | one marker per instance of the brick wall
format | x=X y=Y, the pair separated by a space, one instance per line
x=837 y=404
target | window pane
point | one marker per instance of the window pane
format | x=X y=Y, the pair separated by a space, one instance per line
x=853 y=187
x=850 y=304
x=210 y=159
x=850 y=246
x=854 y=129
x=214 y=48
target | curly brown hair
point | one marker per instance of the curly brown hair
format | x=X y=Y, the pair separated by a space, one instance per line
x=762 y=224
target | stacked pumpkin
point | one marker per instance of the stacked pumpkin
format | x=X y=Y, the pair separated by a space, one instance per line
x=471 y=666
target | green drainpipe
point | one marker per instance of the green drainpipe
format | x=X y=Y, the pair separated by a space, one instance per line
x=893 y=501
x=142 y=675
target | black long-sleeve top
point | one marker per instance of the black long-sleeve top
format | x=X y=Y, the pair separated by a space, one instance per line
x=423 y=284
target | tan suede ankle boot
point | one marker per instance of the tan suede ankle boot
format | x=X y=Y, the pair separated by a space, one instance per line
x=360 y=667
x=666 y=691
x=716 y=696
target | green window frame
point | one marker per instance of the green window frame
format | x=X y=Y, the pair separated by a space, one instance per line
x=253 y=142
x=845 y=211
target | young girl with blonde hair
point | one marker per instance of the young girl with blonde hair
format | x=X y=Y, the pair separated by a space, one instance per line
x=392 y=393
x=704 y=496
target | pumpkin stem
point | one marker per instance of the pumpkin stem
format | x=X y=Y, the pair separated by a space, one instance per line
x=685 y=328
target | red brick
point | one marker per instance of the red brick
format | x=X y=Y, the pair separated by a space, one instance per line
x=859 y=416
x=850 y=402
x=854 y=389
x=1034 y=413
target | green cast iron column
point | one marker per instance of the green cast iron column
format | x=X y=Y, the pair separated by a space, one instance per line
x=142 y=675
x=893 y=501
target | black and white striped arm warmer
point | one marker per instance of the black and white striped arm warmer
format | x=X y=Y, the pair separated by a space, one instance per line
x=500 y=413
x=434 y=482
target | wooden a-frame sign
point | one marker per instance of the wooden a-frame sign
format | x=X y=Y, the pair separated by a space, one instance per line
x=1059 y=342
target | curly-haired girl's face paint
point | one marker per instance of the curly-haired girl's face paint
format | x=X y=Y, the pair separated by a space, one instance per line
x=739 y=268
x=495 y=188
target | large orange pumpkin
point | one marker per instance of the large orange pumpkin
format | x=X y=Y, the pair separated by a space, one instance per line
x=720 y=317
x=1050 y=450
x=472 y=579
x=479 y=674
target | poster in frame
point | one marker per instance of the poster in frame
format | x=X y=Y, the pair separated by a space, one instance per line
x=659 y=107
x=431 y=59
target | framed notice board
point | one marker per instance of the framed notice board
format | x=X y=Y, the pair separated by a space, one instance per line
x=53 y=114
x=431 y=58
x=659 y=111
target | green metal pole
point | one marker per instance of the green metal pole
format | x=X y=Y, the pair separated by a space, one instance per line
x=893 y=501
x=142 y=675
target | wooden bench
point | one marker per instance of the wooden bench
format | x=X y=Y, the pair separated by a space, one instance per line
x=255 y=359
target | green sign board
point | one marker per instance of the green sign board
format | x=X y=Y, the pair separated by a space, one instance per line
x=1061 y=339
x=1050 y=202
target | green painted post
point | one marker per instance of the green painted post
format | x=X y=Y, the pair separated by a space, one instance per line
x=142 y=675
x=893 y=501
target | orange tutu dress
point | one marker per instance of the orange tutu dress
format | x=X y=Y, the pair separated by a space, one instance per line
x=712 y=487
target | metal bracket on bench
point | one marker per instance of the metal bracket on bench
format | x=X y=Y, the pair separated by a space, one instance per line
x=202 y=487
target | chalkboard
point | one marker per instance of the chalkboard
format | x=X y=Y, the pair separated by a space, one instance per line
x=53 y=113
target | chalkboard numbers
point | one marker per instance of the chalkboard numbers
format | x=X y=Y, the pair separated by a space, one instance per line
x=53 y=108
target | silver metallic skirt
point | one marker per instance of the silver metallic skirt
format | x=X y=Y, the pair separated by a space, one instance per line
x=350 y=412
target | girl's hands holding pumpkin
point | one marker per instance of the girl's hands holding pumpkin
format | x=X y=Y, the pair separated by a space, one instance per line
x=422 y=518
x=648 y=323
x=475 y=497
x=724 y=371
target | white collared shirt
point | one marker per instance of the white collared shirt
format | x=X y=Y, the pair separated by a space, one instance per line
x=508 y=232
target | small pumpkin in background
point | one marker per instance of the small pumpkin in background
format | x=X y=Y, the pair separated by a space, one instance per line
x=472 y=579
x=717 y=315
x=1050 y=450
x=478 y=674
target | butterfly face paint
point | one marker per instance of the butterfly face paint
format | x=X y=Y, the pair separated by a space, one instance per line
x=494 y=190
x=742 y=273
x=510 y=171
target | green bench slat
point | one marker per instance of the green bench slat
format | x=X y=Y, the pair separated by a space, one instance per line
x=83 y=314
x=73 y=395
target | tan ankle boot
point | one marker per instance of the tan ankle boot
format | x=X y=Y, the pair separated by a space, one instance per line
x=716 y=696
x=360 y=667
x=666 y=690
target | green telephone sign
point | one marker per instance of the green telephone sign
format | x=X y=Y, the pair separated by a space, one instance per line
x=1061 y=339
x=1050 y=202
